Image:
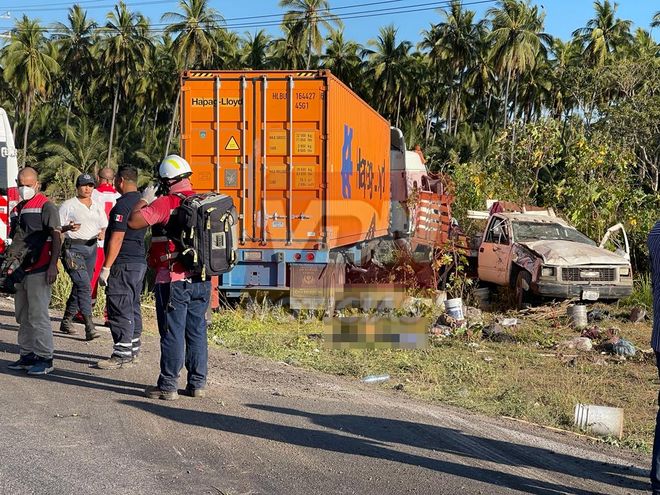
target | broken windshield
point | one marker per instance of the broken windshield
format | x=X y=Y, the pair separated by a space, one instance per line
x=535 y=231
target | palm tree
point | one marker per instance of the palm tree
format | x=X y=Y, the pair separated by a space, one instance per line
x=228 y=56
x=125 y=48
x=82 y=152
x=311 y=15
x=603 y=34
x=342 y=58
x=643 y=46
x=565 y=56
x=516 y=39
x=255 y=50
x=194 y=44
x=454 y=49
x=656 y=20
x=388 y=66
x=75 y=42
x=28 y=65
x=288 y=52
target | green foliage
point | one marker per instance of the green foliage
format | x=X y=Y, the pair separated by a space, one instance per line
x=505 y=109
x=642 y=294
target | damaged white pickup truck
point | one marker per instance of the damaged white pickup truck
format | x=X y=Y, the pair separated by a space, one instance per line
x=539 y=254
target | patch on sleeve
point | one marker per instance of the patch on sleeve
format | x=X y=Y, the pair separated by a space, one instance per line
x=119 y=218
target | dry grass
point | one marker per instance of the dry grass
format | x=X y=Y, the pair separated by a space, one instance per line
x=527 y=379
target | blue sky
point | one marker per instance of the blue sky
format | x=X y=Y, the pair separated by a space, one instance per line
x=410 y=16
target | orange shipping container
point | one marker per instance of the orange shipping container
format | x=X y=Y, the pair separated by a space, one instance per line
x=306 y=161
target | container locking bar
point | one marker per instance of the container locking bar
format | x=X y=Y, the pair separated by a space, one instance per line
x=244 y=165
x=289 y=183
x=264 y=143
x=217 y=134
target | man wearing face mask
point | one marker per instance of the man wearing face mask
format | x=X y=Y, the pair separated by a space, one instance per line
x=35 y=228
x=181 y=297
x=83 y=222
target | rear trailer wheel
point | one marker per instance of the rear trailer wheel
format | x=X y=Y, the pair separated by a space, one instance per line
x=523 y=288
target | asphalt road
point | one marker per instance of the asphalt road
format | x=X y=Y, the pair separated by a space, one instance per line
x=268 y=428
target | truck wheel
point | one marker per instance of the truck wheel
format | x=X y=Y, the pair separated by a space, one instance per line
x=522 y=288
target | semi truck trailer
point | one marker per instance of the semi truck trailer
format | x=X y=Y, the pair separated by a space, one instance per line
x=316 y=174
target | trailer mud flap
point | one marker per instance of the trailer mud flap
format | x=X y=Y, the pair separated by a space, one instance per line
x=315 y=286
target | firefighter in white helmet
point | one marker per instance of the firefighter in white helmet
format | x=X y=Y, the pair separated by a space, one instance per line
x=181 y=297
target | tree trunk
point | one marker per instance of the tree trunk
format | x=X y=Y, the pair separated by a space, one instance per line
x=309 y=48
x=174 y=116
x=398 y=110
x=27 y=126
x=506 y=98
x=449 y=113
x=153 y=130
x=427 y=131
x=68 y=114
x=112 y=124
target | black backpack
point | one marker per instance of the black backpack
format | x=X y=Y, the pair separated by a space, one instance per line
x=208 y=233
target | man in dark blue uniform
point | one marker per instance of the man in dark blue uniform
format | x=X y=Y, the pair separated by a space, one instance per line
x=123 y=274
x=654 y=255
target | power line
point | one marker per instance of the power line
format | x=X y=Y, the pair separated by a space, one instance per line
x=412 y=8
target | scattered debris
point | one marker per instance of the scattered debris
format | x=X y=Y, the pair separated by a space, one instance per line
x=417 y=305
x=399 y=386
x=592 y=333
x=445 y=320
x=441 y=330
x=624 y=348
x=637 y=314
x=375 y=378
x=597 y=314
x=496 y=333
x=509 y=322
x=492 y=330
x=601 y=420
x=474 y=317
x=578 y=343
x=577 y=316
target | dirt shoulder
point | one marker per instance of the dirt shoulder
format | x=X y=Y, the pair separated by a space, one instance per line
x=269 y=427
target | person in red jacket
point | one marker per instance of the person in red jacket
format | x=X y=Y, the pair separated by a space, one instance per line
x=35 y=228
x=182 y=298
x=105 y=194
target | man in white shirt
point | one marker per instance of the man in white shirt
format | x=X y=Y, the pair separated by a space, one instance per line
x=83 y=223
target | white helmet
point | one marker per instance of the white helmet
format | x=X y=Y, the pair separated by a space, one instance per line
x=174 y=167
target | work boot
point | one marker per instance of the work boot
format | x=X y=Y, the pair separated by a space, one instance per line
x=154 y=392
x=67 y=324
x=114 y=363
x=90 y=329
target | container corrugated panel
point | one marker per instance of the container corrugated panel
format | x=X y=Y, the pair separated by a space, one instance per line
x=305 y=159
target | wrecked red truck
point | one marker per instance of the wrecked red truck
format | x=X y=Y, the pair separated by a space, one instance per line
x=538 y=254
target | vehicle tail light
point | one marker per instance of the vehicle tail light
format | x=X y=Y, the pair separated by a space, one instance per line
x=297 y=256
x=310 y=257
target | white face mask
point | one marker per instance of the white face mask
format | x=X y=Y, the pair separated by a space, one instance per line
x=26 y=193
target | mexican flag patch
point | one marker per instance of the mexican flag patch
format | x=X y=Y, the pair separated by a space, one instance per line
x=119 y=218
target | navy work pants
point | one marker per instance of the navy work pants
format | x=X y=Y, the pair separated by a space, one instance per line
x=655 y=460
x=181 y=310
x=123 y=302
x=79 y=261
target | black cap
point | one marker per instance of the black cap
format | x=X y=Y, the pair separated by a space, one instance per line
x=84 y=180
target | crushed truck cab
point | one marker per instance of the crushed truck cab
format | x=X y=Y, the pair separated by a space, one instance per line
x=537 y=253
